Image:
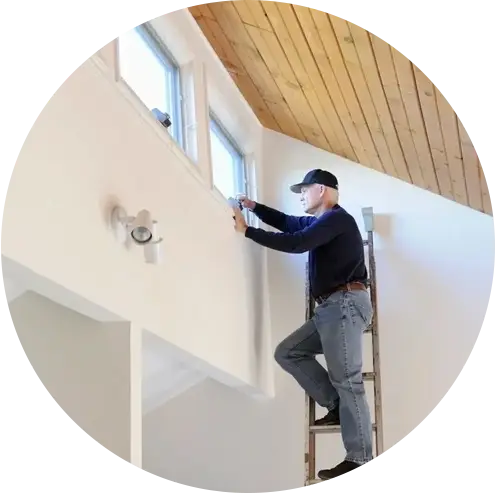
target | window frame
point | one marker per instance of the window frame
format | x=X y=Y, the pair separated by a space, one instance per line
x=165 y=57
x=234 y=149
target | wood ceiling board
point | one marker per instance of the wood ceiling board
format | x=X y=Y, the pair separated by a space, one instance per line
x=325 y=81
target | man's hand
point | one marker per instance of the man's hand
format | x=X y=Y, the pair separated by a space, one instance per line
x=246 y=203
x=241 y=224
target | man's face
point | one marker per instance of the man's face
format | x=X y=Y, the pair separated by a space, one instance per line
x=311 y=198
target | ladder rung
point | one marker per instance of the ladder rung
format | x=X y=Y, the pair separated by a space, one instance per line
x=326 y=429
x=322 y=429
x=367 y=376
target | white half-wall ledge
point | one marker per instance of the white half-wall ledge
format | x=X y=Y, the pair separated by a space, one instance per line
x=167 y=370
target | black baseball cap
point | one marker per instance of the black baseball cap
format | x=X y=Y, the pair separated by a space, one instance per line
x=316 y=176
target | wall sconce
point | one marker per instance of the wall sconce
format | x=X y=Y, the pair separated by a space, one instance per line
x=141 y=229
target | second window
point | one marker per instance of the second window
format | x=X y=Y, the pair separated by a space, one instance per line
x=227 y=161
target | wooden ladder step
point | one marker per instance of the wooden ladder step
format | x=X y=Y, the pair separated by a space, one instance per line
x=367 y=376
x=328 y=429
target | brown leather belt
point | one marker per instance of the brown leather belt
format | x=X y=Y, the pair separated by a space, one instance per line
x=347 y=287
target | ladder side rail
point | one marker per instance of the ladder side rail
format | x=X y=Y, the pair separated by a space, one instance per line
x=309 y=403
x=378 y=409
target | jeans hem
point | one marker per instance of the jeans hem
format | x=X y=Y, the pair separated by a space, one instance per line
x=357 y=460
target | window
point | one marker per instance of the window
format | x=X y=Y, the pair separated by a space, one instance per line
x=227 y=161
x=152 y=74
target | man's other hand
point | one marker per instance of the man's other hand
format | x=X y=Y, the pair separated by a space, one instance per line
x=246 y=203
x=241 y=224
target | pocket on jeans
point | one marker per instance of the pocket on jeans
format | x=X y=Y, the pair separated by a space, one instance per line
x=362 y=309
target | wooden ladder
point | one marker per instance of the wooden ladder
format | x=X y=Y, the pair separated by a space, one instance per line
x=312 y=430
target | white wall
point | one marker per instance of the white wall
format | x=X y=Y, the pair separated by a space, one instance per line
x=94 y=146
x=87 y=368
x=434 y=268
x=163 y=374
x=212 y=437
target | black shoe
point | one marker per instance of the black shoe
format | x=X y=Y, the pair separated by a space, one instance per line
x=332 y=418
x=343 y=467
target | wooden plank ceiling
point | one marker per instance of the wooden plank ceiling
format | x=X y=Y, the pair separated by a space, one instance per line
x=330 y=83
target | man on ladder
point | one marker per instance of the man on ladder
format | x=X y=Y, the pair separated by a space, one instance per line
x=337 y=278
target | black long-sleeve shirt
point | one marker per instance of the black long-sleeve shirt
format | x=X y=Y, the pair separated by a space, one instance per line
x=333 y=240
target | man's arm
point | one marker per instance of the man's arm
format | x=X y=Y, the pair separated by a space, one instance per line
x=318 y=233
x=281 y=221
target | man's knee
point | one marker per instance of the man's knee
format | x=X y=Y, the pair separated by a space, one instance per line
x=282 y=354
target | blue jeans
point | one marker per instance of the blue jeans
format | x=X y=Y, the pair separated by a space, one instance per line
x=335 y=330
